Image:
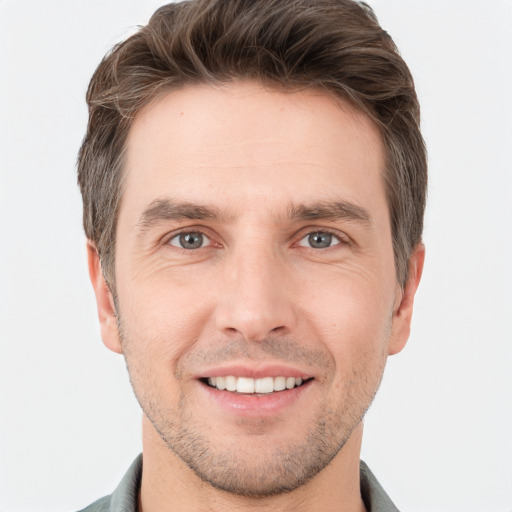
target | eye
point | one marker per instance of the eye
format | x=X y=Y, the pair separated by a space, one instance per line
x=189 y=240
x=319 y=240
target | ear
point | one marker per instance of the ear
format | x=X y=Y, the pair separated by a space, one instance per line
x=104 y=301
x=402 y=311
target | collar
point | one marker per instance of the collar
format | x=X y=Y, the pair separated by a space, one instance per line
x=125 y=497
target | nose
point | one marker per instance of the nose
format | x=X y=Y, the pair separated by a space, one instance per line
x=256 y=299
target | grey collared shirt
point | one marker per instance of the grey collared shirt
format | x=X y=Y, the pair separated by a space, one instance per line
x=125 y=497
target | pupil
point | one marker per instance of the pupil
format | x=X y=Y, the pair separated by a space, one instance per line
x=320 y=240
x=191 y=240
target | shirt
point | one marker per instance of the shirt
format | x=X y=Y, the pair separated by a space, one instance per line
x=125 y=497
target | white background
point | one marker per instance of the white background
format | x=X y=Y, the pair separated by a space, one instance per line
x=439 y=436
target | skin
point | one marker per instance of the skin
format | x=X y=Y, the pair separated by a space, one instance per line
x=255 y=297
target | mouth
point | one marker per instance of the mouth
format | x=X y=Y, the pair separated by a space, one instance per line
x=255 y=391
x=251 y=386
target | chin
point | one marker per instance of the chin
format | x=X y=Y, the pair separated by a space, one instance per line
x=258 y=465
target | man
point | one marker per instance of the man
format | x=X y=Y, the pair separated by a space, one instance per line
x=254 y=181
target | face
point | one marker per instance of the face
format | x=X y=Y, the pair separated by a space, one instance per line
x=257 y=300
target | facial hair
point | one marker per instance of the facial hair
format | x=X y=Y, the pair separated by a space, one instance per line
x=254 y=464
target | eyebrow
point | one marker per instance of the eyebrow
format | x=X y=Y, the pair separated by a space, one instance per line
x=327 y=210
x=167 y=210
x=162 y=210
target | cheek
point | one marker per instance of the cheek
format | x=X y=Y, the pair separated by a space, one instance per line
x=356 y=333
x=353 y=318
x=163 y=316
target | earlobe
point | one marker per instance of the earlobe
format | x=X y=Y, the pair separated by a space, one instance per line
x=402 y=314
x=104 y=301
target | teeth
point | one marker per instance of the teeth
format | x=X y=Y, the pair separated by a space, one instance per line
x=245 y=385
x=265 y=385
x=249 y=386
x=230 y=382
x=279 y=383
x=221 y=383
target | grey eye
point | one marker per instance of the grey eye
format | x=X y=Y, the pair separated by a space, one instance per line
x=319 y=240
x=192 y=240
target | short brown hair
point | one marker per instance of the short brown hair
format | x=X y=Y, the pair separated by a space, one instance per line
x=333 y=45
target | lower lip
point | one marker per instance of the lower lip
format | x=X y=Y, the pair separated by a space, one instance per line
x=257 y=404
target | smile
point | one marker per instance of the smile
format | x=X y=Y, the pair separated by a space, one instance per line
x=248 y=385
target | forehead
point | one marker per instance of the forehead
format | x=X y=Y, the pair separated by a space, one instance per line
x=252 y=146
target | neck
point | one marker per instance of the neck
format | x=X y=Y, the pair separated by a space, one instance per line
x=169 y=485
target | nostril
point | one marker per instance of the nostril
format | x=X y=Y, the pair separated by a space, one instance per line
x=255 y=322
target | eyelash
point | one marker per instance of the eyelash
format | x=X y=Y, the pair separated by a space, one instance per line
x=187 y=232
x=341 y=238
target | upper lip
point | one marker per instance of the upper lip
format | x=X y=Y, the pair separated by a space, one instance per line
x=254 y=371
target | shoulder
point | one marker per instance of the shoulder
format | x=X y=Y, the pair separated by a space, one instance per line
x=374 y=496
x=124 y=498
x=101 y=505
